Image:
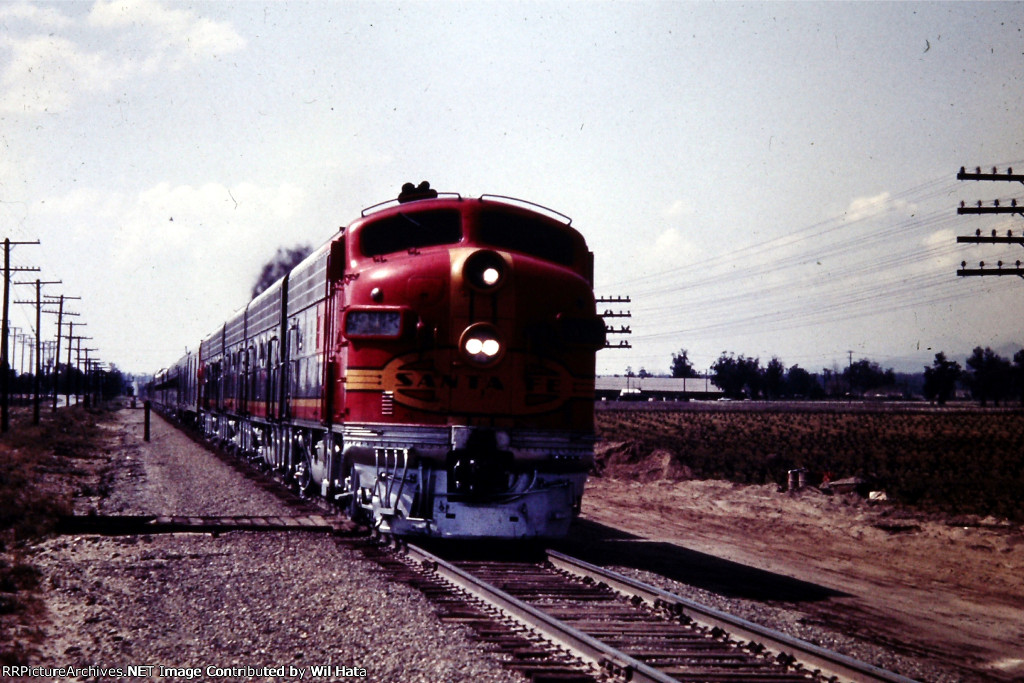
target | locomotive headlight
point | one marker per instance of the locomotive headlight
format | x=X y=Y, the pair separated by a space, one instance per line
x=481 y=345
x=485 y=270
x=490 y=276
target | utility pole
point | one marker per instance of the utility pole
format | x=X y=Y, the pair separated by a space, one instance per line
x=39 y=334
x=71 y=342
x=60 y=312
x=87 y=393
x=994 y=208
x=78 y=363
x=12 y=332
x=5 y=365
x=16 y=336
x=610 y=329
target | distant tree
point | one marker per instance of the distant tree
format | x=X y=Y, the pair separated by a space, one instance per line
x=799 y=382
x=279 y=266
x=737 y=375
x=990 y=376
x=681 y=365
x=753 y=374
x=940 y=379
x=115 y=383
x=727 y=375
x=863 y=376
x=643 y=373
x=774 y=379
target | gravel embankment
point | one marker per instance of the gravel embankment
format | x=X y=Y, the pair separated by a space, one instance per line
x=292 y=600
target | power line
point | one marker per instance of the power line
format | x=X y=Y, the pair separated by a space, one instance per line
x=891 y=258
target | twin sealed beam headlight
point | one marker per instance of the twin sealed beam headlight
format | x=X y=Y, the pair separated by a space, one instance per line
x=485 y=271
x=481 y=344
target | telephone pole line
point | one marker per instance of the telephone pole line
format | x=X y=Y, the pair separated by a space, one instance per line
x=995 y=208
x=610 y=329
x=60 y=313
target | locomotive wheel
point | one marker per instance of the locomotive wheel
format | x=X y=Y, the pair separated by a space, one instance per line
x=355 y=512
x=265 y=449
x=303 y=473
x=304 y=477
x=277 y=439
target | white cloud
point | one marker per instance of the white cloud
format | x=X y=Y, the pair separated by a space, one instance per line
x=868 y=207
x=200 y=225
x=940 y=238
x=942 y=254
x=47 y=70
x=669 y=241
x=34 y=14
x=670 y=249
x=169 y=263
x=171 y=29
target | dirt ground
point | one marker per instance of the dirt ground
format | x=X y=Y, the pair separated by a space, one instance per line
x=920 y=586
x=949 y=591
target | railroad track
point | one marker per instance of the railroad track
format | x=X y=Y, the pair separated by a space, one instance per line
x=597 y=624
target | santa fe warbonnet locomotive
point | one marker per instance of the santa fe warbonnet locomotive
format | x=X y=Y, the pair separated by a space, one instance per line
x=431 y=368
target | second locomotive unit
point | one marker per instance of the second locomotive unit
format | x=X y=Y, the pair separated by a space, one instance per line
x=431 y=368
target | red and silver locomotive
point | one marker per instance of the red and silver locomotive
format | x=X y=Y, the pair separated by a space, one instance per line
x=431 y=368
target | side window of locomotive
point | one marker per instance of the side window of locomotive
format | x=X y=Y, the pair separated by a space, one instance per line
x=411 y=230
x=535 y=237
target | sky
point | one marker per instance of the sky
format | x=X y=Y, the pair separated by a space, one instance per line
x=767 y=179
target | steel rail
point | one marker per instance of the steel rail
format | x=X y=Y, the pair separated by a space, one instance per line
x=586 y=647
x=829 y=663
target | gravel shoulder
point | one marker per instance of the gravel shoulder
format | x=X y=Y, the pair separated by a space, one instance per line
x=232 y=600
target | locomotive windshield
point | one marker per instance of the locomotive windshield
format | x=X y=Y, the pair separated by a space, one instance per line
x=533 y=236
x=412 y=230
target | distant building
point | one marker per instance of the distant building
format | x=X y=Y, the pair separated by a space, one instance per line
x=655 y=389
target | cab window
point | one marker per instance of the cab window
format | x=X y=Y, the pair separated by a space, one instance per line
x=533 y=236
x=410 y=230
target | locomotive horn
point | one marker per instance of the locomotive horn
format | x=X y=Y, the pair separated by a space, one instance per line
x=411 y=193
